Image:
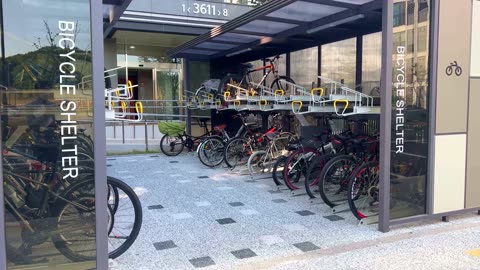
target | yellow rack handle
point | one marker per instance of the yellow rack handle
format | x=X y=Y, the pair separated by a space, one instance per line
x=139 y=107
x=341 y=101
x=130 y=88
x=227 y=95
x=320 y=90
x=282 y=92
x=262 y=104
x=124 y=106
x=218 y=103
x=300 y=105
x=210 y=96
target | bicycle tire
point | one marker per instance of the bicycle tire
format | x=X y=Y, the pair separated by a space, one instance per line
x=333 y=179
x=312 y=177
x=63 y=245
x=256 y=162
x=235 y=152
x=277 y=171
x=295 y=168
x=370 y=189
x=276 y=85
x=168 y=143
x=210 y=151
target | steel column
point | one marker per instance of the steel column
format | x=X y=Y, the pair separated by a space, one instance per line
x=99 y=133
x=186 y=87
x=386 y=116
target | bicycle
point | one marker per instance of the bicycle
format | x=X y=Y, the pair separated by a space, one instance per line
x=174 y=144
x=277 y=143
x=245 y=80
x=48 y=207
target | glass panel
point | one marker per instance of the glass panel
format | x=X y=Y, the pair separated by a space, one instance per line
x=216 y=46
x=476 y=39
x=46 y=137
x=303 y=11
x=232 y=37
x=409 y=120
x=372 y=64
x=399 y=14
x=169 y=89
x=267 y=27
x=304 y=67
x=339 y=61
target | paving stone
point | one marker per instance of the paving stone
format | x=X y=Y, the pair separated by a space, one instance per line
x=305 y=213
x=203 y=177
x=306 y=246
x=182 y=216
x=334 y=218
x=236 y=204
x=275 y=191
x=279 y=201
x=294 y=227
x=202 y=262
x=271 y=240
x=202 y=203
x=173 y=161
x=165 y=245
x=224 y=188
x=250 y=212
x=155 y=207
x=244 y=253
x=225 y=221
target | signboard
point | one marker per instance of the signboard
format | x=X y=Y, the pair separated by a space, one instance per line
x=190 y=8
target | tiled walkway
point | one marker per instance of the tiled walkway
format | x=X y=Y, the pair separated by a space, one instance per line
x=197 y=217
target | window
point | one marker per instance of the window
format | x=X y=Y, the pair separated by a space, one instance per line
x=422 y=39
x=339 y=61
x=304 y=67
x=410 y=13
x=423 y=10
x=399 y=14
x=372 y=63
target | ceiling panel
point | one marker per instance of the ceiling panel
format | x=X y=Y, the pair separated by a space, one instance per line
x=305 y=11
x=266 y=27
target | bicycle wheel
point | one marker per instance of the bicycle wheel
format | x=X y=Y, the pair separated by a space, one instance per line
x=258 y=162
x=313 y=175
x=277 y=171
x=333 y=182
x=237 y=152
x=277 y=84
x=296 y=167
x=210 y=151
x=127 y=219
x=172 y=146
x=363 y=190
x=76 y=237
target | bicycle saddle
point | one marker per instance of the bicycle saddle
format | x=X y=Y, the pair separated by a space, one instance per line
x=250 y=124
x=220 y=127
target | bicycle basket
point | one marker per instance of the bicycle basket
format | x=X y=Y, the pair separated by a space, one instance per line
x=171 y=128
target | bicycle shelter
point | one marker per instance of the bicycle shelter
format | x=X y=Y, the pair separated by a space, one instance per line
x=413 y=184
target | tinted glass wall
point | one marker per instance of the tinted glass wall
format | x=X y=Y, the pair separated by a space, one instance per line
x=410 y=108
x=46 y=127
x=339 y=61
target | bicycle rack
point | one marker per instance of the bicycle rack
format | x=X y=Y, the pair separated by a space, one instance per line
x=121 y=95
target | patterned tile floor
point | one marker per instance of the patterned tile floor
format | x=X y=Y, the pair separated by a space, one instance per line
x=197 y=217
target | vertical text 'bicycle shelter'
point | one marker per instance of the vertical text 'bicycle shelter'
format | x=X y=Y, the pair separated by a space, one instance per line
x=427 y=167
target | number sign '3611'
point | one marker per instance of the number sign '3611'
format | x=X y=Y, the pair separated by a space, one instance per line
x=205 y=9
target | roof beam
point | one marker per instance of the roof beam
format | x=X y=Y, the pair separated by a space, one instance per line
x=115 y=13
x=112 y=2
x=333 y=3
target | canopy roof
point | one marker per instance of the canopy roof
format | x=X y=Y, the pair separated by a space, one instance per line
x=285 y=25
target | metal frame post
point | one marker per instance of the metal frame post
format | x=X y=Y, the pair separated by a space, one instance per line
x=359 y=63
x=3 y=252
x=386 y=116
x=99 y=134
x=434 y=26
x=186 y=85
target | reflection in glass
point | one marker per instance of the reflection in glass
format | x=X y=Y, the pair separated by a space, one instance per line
x=339 y=61
x=410 y=111
x=46 y=136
